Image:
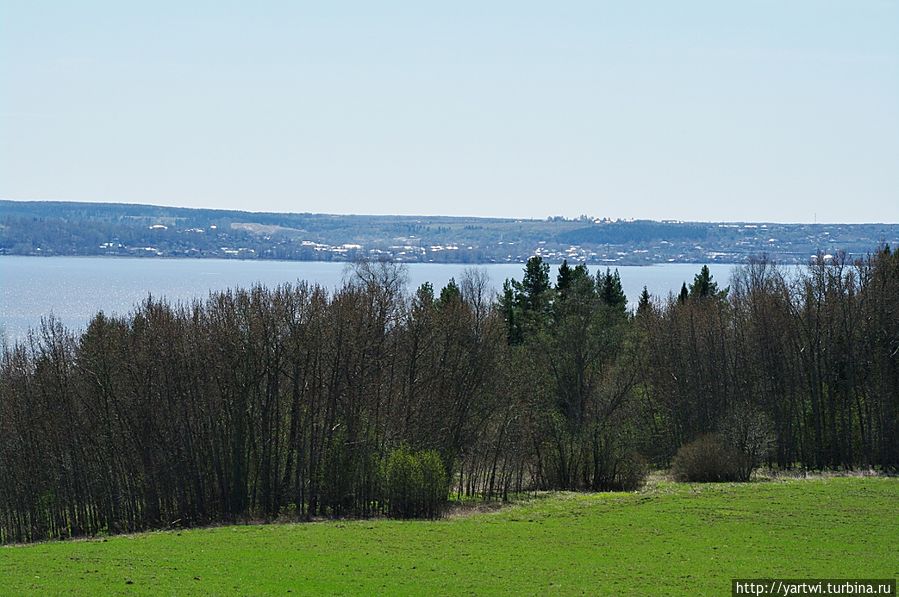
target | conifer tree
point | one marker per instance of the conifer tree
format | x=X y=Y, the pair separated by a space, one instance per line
x=705 y=286
x=450 y=293
x=611 y=293
x=644 y=305
x=563 y=280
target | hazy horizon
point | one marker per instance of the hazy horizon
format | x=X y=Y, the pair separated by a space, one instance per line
x=697 y=111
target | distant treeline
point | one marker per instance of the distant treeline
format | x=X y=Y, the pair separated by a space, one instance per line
x=367 y=401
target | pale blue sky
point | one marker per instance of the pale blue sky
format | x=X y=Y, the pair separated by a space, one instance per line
x=752 y=110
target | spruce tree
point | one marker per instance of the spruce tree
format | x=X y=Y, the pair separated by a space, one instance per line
x=644 y=305
x=450 y=293
x=531 y=299
x=535 y=284
x=511 y=312
x=563 y=280
x=705 y=286
x=611 y=293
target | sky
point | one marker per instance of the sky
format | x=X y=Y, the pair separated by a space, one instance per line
x=781 y=111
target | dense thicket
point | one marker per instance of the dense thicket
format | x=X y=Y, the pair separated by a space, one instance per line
x=252 y=403
x=812 y=358
x=367 y=400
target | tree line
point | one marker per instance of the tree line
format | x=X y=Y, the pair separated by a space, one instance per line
x=371 y=400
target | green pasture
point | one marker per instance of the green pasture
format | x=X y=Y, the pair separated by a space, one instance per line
x=668 y=539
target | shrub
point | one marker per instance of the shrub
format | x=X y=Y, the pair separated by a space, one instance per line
x=749 y=430
x=617 y=463
x=435 y=485
x=632 y=471
x=621 y=471
x=709 y=458
x=416 y=484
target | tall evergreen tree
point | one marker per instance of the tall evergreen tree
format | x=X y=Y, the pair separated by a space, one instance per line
x=563 y=280
x=611 y=293
x=424 y=296
x=510 y=309
x=533 y=296
x=705 y=286
x=571 y=281
x=450 y=293
x=534 y=286
x=644 y=305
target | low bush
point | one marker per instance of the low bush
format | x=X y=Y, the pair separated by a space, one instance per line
x=709 y=458
x=632 y=471
x=751 y=432
x=417 y=484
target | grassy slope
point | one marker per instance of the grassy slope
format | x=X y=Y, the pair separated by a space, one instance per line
x=671 y=539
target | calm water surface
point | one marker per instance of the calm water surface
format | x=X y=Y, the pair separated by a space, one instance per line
x=73 y=289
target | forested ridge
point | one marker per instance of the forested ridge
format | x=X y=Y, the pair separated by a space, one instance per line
x=373 y=400
x=61 y=228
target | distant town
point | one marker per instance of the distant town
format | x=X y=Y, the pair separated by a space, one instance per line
x=70 y=228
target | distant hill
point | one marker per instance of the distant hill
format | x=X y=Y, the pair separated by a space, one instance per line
x=70 y=228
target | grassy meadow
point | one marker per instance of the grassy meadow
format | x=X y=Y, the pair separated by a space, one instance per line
x=671 y=538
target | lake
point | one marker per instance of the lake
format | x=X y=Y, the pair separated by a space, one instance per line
x=73 y=289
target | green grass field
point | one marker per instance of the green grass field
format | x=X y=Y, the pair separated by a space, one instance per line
x=669 y=539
